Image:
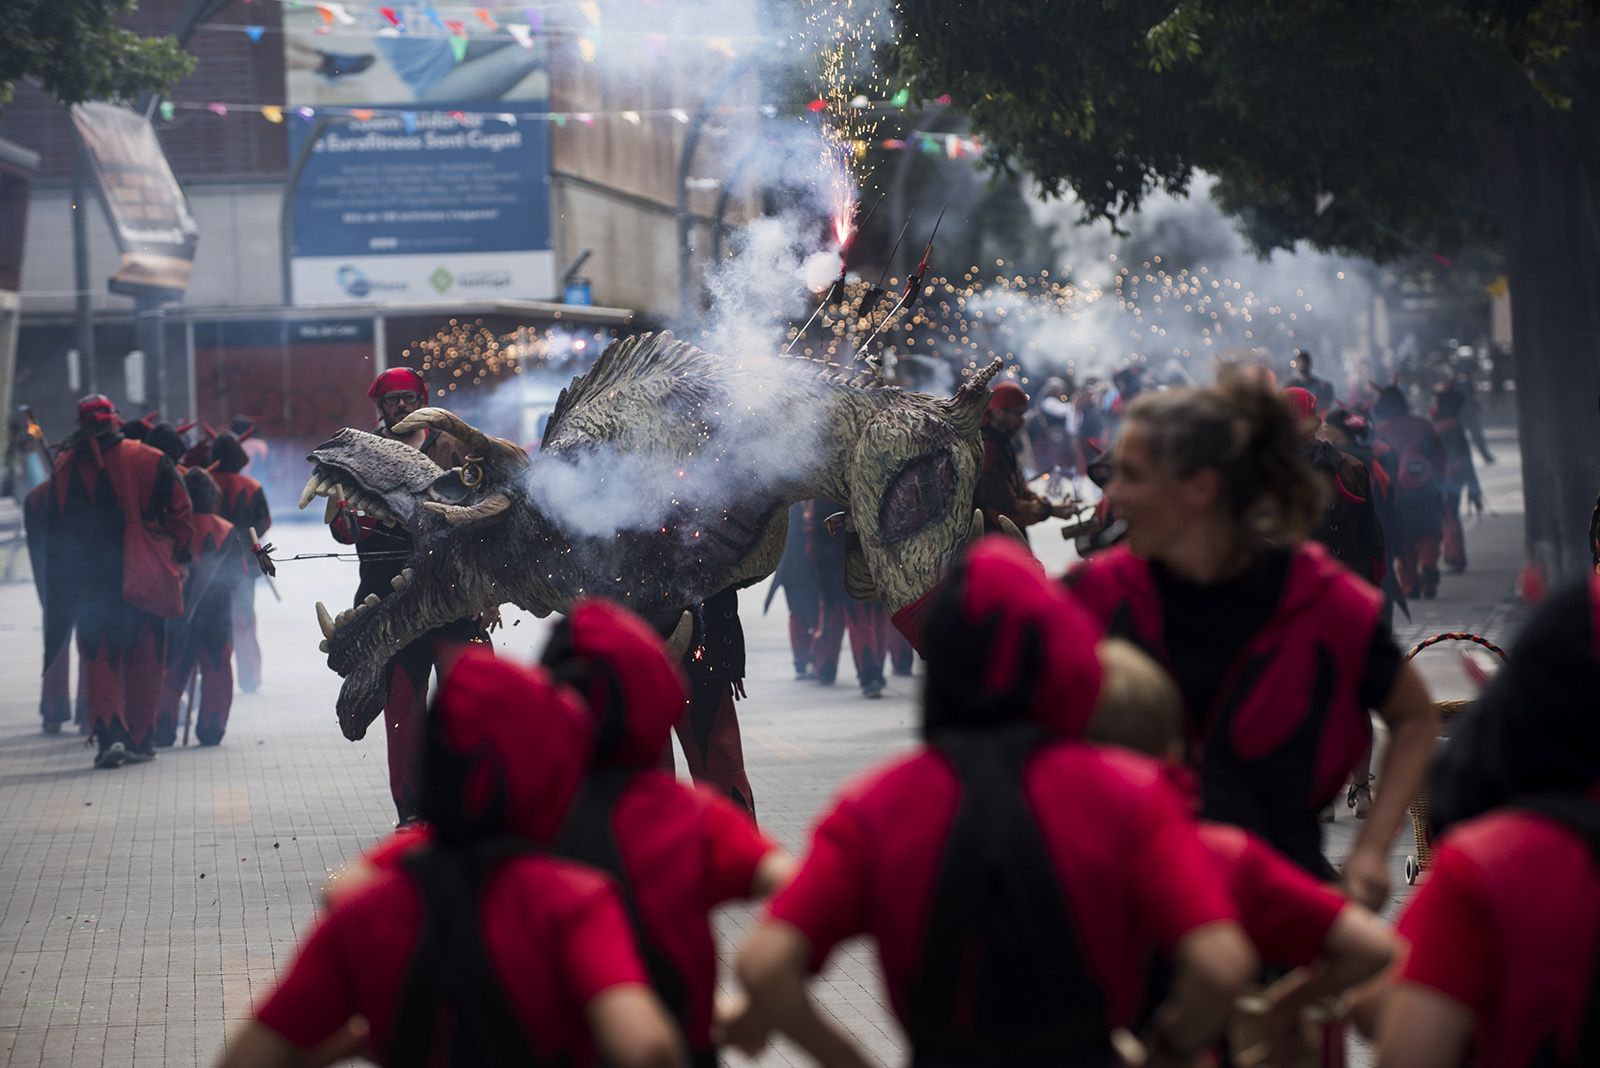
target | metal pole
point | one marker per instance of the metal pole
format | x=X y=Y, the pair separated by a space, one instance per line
x=80 y=269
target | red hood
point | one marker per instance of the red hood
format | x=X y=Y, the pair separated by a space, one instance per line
x=505 y=750
x=623 y=670
x=1006 y=643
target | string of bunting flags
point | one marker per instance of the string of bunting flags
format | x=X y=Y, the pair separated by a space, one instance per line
x=927 y=142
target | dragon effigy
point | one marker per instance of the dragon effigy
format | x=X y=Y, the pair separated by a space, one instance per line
x=664 y=477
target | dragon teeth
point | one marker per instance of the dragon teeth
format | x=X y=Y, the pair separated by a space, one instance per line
x=399 y=582
x=309 y=492
x=323 y=645
x=371 y=601
x=324 y=621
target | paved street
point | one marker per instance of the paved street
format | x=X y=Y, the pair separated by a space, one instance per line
x=143 y=910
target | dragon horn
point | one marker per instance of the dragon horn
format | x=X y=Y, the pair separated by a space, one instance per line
x=450 y=423
x=965 y=409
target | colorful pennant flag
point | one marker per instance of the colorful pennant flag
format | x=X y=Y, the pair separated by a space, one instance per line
x=219 y=110
x=408 y=119
x=272 y=113
x=487 y=19
x=901 y=99
x=254 y=33
x=393 y=16
x=523 y=34
x=458 y=48
x=167 y=110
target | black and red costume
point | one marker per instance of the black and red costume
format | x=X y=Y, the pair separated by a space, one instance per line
x=476 y=947
x=200 y=644
x=1410 y=451
x=1278 y=668
x=1507 y=924
x=1460 y=473
x=708 y=725
x=383 y=550
x=244 y=504
x=1001 y=489
x=1010 y=930
x=676 y=852
x=99 y=481
x=839 y=613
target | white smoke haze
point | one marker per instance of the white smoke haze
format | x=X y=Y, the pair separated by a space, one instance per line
x=1183 y=289
x=760 y=436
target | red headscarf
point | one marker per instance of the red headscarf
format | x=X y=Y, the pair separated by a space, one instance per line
x=1007 y=396
x=1004 y=643
x=505 y=749
x=633 y=687
x=397 y=378
x=1301 y=401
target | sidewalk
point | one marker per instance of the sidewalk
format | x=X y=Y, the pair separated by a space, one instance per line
x=143 y=910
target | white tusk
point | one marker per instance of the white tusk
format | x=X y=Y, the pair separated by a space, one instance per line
x=331 y=512
x=371 y=601
x=1012 y=531
x=975 y=532
x=323 y=646
x=324 y=620
x=398 y=582
x=678 y=640
x=309 y=492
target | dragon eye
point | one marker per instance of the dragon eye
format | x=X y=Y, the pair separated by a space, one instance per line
x=449 y=488
x=918 y=495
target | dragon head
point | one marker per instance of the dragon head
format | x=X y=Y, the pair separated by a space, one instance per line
x=459 y=523
x=911 y=480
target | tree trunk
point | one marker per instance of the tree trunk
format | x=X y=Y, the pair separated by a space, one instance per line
x=1551 y=240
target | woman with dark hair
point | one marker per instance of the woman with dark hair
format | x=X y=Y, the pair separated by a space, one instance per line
x=1504 y=969
x=1278 y=650
x=1010 y=929
x=479 y=948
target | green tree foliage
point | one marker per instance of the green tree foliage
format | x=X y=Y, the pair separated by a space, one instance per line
x=1377 y=127
x=76 y=51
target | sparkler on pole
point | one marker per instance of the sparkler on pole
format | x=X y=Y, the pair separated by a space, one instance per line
x=913 y=286
x=846 y=233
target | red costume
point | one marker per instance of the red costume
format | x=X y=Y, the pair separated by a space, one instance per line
x=384 y=550
x=201 y=643
x=1009 y=928
x=1278 y=669
x=475 y=949
x=244 y=504
x=1410 y=450
x=99 y=482
x=838 y=612
x=1507 y=923
x=675 y=852
x=708 y=727
x=1285 y=912
x=1001 y=489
